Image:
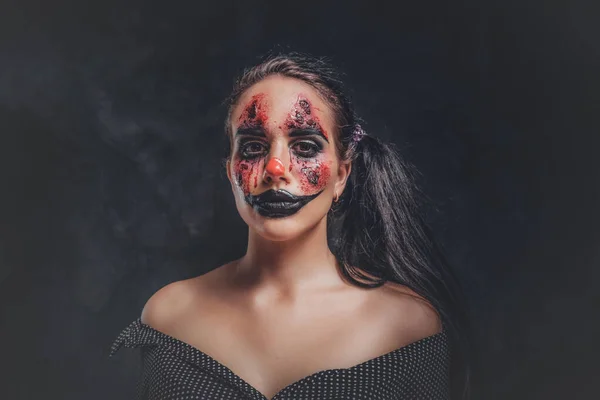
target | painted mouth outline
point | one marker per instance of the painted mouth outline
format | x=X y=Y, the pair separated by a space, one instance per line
x=278 y=203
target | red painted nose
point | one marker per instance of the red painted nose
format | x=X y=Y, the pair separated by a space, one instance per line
x=275 y=167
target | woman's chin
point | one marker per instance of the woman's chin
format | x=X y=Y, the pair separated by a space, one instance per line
x=277 y=228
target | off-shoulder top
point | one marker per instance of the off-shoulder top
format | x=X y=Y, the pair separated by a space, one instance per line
x=174 y=370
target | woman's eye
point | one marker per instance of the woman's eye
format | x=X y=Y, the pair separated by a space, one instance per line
x=306 y=149
x=252 y=149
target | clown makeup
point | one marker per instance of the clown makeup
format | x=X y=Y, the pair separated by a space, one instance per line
x=308 y=157
x=255 y=112
x=302 y=116
x=309 y=154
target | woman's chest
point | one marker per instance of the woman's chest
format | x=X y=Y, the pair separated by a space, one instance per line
x=273 y=354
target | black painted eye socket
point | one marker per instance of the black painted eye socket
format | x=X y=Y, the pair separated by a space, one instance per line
x=306 y=149
x=253 y=149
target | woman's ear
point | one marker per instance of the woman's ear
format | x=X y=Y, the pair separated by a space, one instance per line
x=344 y=170
x=227 y=167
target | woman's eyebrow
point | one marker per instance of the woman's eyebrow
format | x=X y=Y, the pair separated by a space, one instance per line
x=307 y=132
x=250 y=131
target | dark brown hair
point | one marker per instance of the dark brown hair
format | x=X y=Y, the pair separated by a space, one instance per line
x=380 y=229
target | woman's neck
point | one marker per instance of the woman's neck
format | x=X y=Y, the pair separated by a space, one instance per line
x=288 y=267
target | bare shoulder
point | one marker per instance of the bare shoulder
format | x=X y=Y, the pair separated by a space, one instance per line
x=169 y=302
x=181 y=300
x=410 y=315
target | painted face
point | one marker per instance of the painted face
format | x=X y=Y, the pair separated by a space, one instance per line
x=283 y=157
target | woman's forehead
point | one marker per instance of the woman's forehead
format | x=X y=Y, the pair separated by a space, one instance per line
x=276 y=97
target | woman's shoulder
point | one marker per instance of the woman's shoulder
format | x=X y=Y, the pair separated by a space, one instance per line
x=167 y=304
x=410 y=315
x=171 y=302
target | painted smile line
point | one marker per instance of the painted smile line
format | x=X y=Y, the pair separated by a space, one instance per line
x=278 y=203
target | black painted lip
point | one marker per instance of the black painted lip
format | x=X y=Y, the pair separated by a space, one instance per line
x=278 y=203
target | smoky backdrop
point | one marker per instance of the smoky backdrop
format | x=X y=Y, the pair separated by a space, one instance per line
x=112 y=185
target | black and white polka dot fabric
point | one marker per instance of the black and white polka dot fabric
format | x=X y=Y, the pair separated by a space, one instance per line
x=175 y=370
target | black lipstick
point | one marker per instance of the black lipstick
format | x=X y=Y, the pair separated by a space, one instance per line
x=278 y=203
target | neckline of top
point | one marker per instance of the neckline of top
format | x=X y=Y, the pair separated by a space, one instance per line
x=255 y=393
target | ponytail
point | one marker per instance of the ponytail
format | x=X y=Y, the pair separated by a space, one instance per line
x=376 y=224
x=382 y=232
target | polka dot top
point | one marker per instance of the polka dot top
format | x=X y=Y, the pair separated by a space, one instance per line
x=175 y=370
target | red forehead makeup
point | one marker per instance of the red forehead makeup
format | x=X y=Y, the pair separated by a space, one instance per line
x=302 y=116
x=255 y=111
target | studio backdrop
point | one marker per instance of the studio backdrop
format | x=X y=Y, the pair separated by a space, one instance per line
x=111 y=188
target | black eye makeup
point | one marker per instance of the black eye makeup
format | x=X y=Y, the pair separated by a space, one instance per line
x=306 y=148
x=252 y=149
x=308 y=132
x=252 y=143
x=310 y=142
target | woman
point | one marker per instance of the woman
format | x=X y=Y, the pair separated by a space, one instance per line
x=375 y=314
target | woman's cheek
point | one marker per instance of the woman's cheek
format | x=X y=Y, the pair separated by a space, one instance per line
x=314 y=175
x=246 y=174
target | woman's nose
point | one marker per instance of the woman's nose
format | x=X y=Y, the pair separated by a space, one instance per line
x=275 y=170
x=275 y=167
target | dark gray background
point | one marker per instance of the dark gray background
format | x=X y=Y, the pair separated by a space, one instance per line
x=111 y=182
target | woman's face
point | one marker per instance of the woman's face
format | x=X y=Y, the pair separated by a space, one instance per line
x=284 y=170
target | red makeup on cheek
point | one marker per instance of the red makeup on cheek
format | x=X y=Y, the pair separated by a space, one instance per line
x=244 y=171
x=255 y=112
x=314 y=176
x=303 y=116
